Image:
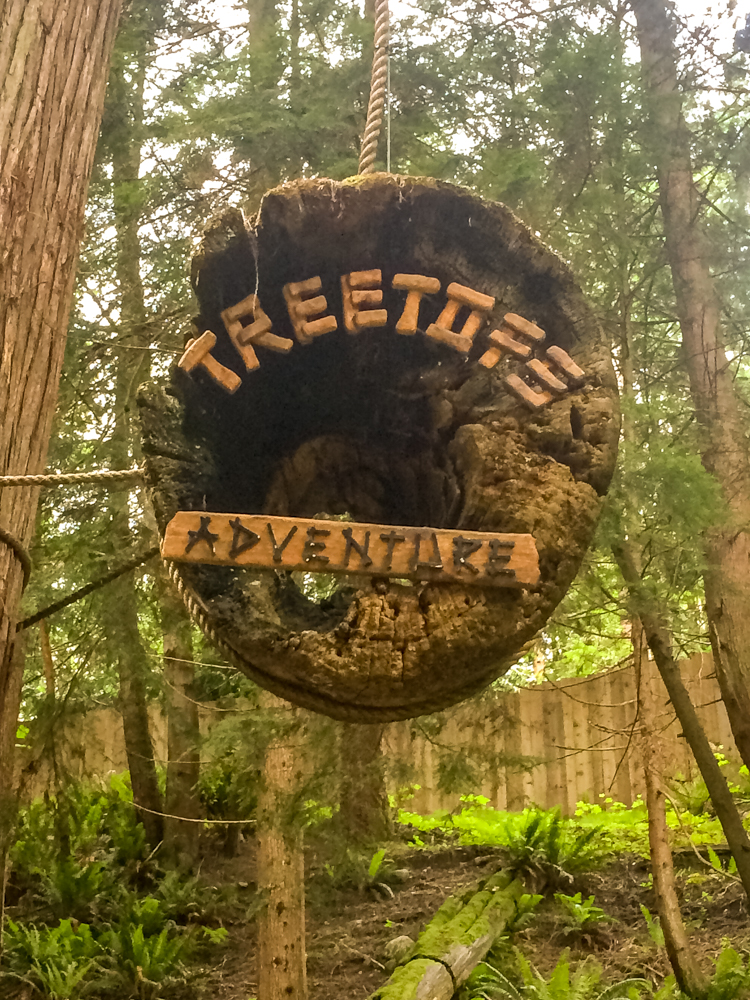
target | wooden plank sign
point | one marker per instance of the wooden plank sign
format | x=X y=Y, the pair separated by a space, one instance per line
x=484 y=559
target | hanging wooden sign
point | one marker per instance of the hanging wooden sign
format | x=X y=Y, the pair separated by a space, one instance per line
x=285 y=543
x=392 y=382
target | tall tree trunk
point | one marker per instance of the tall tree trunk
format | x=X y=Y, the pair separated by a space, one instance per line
x=53 y=71
x=282 y=954
x=660 y=644
x=364 y=813
x=180 y=838
x=717 y=406
x=125 y=102
x=682 y=959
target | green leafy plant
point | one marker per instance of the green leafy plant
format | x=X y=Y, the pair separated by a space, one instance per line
x=144 y=963
x=215 y=935
x=72 y=888
x=580 y=916
x=67 y=842
x=730 y=980
x=57 y=960
x=537 y=843
x=654 y=927
x=542 y=847
x=524 y=913
x=353 y=868
x=718 y=866
x=489 y=983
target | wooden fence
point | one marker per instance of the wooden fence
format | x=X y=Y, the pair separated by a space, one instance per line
x=578 y=731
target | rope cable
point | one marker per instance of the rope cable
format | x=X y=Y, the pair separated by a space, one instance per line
x=378 y=88
x=71 y=478
x=78 y=595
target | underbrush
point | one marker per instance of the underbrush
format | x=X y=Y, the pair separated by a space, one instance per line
x=90 y=909
x=583 y=842
x=509 y=975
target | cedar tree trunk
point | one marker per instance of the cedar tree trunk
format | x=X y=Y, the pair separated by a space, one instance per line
x=181 y=839
x=725 y=455
x=282 y=955
x=364 y=812
x=54 y=60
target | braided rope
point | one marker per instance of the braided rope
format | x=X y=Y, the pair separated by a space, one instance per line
x=198 y=613
x=377 y=89
x=344 y=712
x=69 y=478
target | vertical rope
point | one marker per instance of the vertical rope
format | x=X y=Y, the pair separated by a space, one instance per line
x=377 y=89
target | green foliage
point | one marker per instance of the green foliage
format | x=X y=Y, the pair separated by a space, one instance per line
x=536 y=842
x=95 y=820
x=376 y=862
x=129 y=941
x=654 y=926
x=235 y=752
x=67 y=845
x=144 y=962
x=71 y=888
x=489 y=983
x=353 y=868
x=730 y=979
x=524 y=913
x=624 y=829
x=580 y=914
x=56 y=959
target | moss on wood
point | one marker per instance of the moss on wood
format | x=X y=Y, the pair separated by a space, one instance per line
x=455 y=941
x=387 y=428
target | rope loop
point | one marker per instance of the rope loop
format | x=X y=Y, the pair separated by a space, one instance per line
x=20 y=552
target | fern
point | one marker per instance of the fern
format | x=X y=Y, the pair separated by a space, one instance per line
x=489 y=983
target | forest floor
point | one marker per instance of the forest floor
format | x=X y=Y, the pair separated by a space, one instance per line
x=348 y=930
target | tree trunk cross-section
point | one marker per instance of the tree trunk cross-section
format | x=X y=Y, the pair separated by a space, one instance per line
x=386 y=428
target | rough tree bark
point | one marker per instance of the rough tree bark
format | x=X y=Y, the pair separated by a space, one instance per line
x=53 y=72
x=180 y=839
x=682 y=959
x=364 y=813
x=725 y=455
x=282 y=954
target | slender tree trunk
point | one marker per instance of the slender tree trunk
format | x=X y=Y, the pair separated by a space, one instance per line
x=717 y=406
x=282 y=955
x=659 y=641
x=181 y=839
x=686 y=969
x=364 y=813
x=120 y=615
x=53 y=71
x=125 y=102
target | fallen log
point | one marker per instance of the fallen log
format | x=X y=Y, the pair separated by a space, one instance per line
x=457 y=938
